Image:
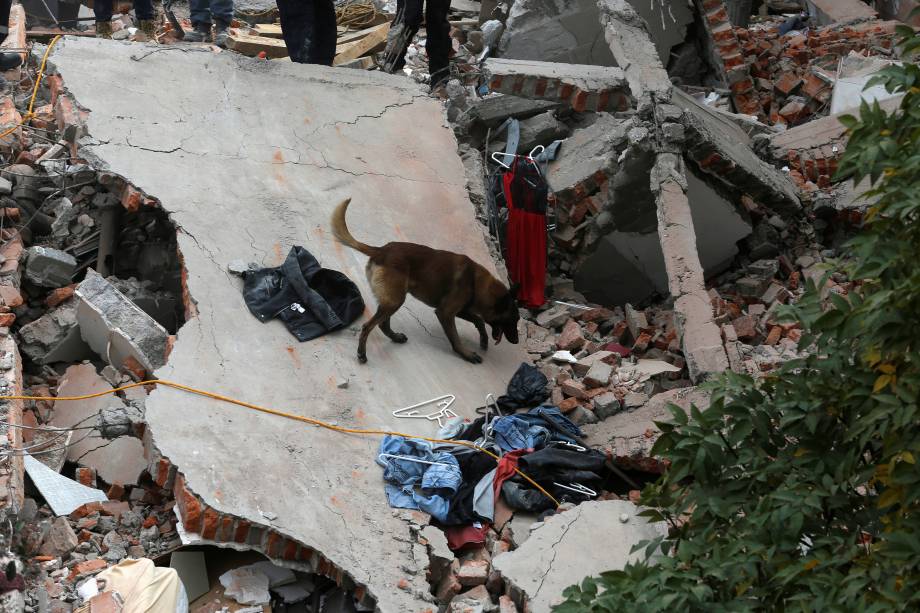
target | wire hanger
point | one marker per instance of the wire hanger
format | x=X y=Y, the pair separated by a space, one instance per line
x=411 y=459
x=443 y=412
x=529 y=157
x=578 y=488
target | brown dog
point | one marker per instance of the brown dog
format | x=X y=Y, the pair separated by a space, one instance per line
x=452 y=284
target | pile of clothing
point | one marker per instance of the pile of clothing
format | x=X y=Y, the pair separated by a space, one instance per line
x=459 y=486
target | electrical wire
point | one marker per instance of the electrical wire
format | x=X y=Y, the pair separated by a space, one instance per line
x=38 y=81
x=279 y=413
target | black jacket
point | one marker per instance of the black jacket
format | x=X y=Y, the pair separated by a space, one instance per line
x=310 y=300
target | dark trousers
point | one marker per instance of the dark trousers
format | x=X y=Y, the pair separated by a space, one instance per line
x=438 y=44
x=309 y=30
x=203 y=11
x=143 y=9
x=5 y=18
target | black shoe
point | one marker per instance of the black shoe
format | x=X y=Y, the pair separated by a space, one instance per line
x=9 y=61
x=201 y=34
x=221 y=34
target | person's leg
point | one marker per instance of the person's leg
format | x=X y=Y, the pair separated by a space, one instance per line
x=222 y=12
x=200 y=16
x=297 y=19
x=102 y=9
x=143 y=10
x=324 y=34
x=438 y=44
x=405 y=25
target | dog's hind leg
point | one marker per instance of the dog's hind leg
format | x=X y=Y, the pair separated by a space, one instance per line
x=450 y=329
x=389 y=287
x=477 y=321
x=396 y=337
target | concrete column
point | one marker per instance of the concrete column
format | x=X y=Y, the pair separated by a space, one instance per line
x=702 y=340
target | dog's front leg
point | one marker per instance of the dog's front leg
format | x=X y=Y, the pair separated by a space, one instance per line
x=477 y=321
x=450 y=329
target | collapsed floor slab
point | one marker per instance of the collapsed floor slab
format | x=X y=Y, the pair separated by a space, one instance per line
x=249 y=158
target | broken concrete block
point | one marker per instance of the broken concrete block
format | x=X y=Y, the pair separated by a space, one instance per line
x=116 y=328
x=492 y=111
x=116 y=461
x=598 y=375
x=600 y=535
x=473 y=573
x=582 y=415
x=553 y=318
x=586 y=160
x=606 y=404
x=555 y=31
x=582 y=366
x=54 y=337
x=48 y=267
x=585 y=88
x=636 y=320
x=571 y=338
x=574 y=389
x=476 y=600
x=61 y=539
x=633 y=49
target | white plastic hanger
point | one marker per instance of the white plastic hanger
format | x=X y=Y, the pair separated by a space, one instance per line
x=441 y=414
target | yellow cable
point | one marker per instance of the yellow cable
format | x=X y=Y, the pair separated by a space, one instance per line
x=41 y=73
x=276 y=412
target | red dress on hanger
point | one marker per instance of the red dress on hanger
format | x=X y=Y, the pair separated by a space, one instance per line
x=525 y=236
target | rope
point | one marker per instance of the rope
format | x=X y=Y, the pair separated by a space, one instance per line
x=276 y=412
x=356 y=15
x=41 y=73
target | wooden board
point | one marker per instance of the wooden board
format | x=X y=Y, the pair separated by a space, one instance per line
x=270 y=30
x=253 y=45
x=349 y=51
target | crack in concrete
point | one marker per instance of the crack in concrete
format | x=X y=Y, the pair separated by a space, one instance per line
x=577 y=511
x=419 y=321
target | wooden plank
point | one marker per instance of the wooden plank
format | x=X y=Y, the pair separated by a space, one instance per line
x=253 y=45
x=353 y=50
x=361 y=63
x=270 y=30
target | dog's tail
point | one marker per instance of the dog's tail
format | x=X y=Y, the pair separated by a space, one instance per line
x=341 y=233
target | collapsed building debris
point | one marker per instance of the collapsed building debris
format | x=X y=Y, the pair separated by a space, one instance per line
x=690 y=154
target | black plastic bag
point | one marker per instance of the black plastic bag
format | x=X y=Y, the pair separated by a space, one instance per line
x=527 y=389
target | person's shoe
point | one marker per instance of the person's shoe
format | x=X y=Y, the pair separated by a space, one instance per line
x=149 y=28
x=103 y=29
x=9 y=61
x=221 y=34
x=200 y=34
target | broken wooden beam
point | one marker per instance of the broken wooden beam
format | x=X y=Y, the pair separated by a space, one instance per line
x=375 y=37
x=254 y=45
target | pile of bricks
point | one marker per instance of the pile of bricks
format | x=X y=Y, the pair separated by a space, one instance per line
x=787 y=79
x=795 y=75
x=728 y=52
x=605 y=344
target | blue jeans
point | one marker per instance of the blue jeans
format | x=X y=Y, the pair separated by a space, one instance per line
x=202 y=11
x=143 y=9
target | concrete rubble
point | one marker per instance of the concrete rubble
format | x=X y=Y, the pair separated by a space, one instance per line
x=691 y=195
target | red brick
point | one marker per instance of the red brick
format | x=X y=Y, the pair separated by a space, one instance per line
x=794 y=335
x=86 y=476
x=642 y=343
x=290 y=550
x=745 y=327
x=773 y=337
x=242 y=531
x=7 y=319
x=82 y=568
x=162 y=472
x=570 y=339
x=225 y=533
x=131 y=199
x=574 y=389
x=788 y=83
x=209 y=529
x=568 y=405
x=150 y=521
x=84 y=536
x=273 y=546
x=60 y=295
x=86 y=509
x=304 y=554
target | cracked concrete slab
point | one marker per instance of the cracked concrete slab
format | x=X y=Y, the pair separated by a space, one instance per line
x=249 y=158
x=592 y=538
